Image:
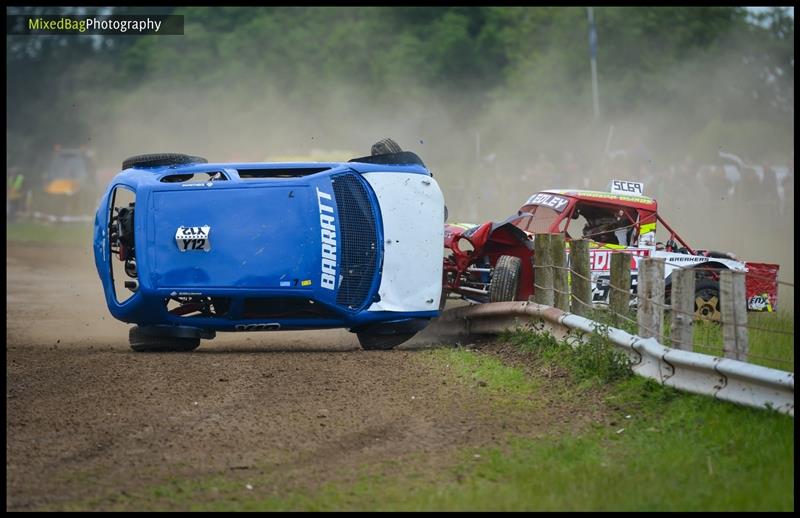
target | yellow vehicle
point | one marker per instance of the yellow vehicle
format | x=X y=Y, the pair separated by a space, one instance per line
x=68 y=184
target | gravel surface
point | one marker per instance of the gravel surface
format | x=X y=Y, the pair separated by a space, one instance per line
x=87 y=418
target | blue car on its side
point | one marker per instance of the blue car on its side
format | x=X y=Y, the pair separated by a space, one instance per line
x=185 y=248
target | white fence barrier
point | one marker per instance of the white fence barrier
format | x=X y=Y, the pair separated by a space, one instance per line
x=721 y=378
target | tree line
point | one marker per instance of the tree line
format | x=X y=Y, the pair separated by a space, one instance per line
x=722 y=67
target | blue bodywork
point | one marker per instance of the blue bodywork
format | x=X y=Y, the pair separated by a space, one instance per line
x=264 y=269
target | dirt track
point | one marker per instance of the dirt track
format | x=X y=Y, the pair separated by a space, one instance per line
x=88 y=418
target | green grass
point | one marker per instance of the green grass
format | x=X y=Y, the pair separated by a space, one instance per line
x=78 y=234
x=474 y=368
x=661 y=450
x=699 y=456
x=771 y=345
x=675 y=453
x=596 y=361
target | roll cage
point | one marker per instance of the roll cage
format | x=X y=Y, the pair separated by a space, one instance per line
x=538 y=216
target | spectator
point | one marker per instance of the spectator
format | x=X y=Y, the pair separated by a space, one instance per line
x=14 y=194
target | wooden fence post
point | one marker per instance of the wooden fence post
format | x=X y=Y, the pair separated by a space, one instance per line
x=560 y=287
x=580 y=283
x=682 y=297
x=733 y=304
x=740 y=310
x=543 y=270
x=651 y=298
x=619 y=298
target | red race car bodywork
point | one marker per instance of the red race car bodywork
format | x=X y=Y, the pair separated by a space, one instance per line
x=614 y=223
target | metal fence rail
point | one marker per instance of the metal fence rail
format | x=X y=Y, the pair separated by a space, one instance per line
x=655 y=315
x=722 y=378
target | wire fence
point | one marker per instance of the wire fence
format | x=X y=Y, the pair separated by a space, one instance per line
x=713 y=320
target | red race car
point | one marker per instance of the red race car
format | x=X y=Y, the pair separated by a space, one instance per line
x=493 y=262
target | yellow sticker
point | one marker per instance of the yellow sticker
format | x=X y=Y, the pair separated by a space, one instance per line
x=306 y=282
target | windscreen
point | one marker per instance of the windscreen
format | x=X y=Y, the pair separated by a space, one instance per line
x=536 y=219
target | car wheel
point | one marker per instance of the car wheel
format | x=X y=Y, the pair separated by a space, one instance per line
x=376 y=342
x=385 y=146
x=145 y=342
x=160 y=159
x=706 y=300
x=505 y=279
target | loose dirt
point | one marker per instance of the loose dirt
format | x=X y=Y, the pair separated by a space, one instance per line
x=87 y=418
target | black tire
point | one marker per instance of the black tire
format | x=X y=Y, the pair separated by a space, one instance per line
x=159 y=159
x=376 y=342
x=706 y=300
x=505 y=279
x=385 y=146
x=142 y=342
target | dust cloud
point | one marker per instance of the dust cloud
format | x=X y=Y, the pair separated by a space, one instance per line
x=491 y=155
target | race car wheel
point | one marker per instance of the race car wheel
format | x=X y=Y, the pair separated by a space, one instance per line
x=145 y=342
x=706 y=300
x=385 y=146
x=505 y=279
x=160 y=159
x=375 y=342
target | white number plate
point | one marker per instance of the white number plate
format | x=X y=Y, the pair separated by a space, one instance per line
x=623 y=187
x=193 y=238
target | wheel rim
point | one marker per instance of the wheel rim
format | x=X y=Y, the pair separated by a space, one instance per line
x=707 y=306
